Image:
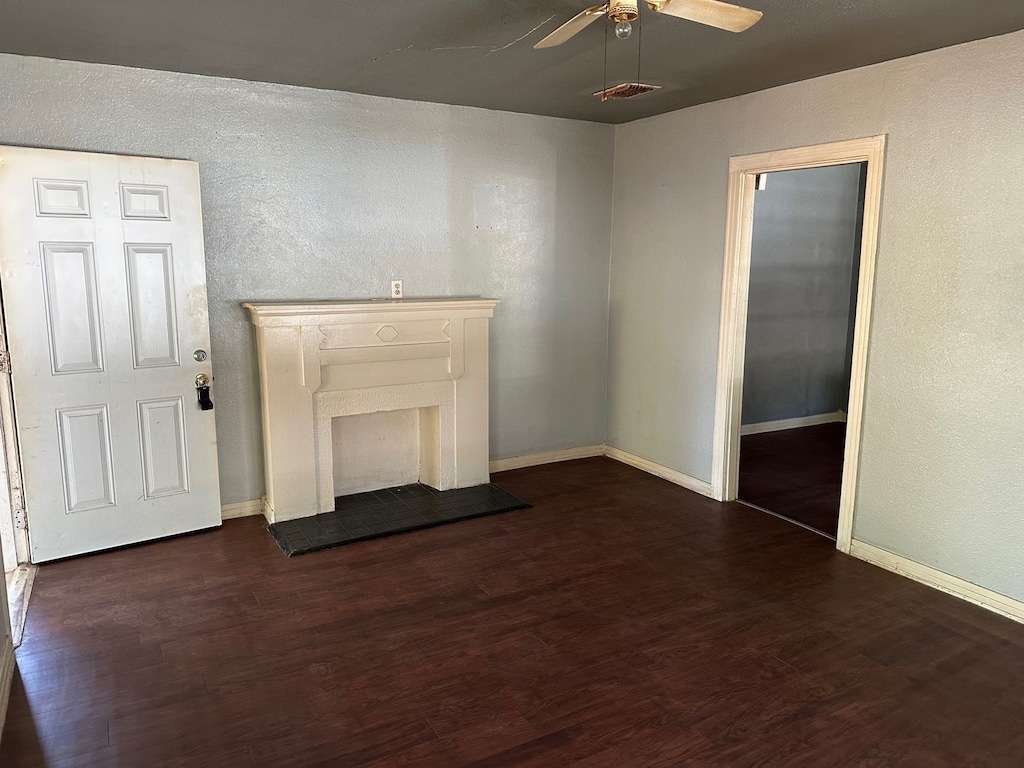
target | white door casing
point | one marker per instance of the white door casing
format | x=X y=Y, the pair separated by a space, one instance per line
x=103 y=275
x=743 y=172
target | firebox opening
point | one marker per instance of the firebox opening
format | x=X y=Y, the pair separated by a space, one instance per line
x=386 y=449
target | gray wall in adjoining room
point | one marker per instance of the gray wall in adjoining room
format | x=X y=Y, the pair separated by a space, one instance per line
x=803 y=263
x=311 y=194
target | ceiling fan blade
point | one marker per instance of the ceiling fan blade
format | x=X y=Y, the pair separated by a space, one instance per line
x=714 y=13
x=576 y=24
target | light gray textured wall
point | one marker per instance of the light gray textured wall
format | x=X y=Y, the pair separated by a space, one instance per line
x=942 y=468
x=311 y=194
x=803 y=259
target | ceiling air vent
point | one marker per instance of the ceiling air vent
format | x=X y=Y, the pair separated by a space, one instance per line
x=626 y=91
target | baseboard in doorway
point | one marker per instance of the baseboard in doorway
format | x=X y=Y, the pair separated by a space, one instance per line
x=801 y=421
x=547 y=457
x=6 y=679
x=653 y=468
x=242 y=509
x=932 y=577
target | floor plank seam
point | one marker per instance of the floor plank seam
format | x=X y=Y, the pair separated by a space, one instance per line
x=787 y=519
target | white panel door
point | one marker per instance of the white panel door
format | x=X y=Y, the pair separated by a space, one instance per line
x=104 y=287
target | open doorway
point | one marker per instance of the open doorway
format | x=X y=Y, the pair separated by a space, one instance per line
x=801 y=302
x=744 y=176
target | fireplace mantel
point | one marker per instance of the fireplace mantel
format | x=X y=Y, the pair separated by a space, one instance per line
x=301 y=313
x=328 y=359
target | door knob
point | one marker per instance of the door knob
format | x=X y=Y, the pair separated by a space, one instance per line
x=203 y=392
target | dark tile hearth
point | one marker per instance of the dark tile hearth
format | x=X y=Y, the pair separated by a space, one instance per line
x=375 y=514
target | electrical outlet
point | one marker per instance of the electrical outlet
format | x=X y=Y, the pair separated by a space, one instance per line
x=396 y=290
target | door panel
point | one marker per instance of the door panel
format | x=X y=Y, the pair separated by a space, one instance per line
x=72 y=309
x=164 y=451
x=104 y=288
x=62 y=197
x=151 y=294
x=142 y=201
x=85 y=456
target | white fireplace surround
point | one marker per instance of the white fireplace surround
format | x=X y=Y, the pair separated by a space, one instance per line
x=322 y=360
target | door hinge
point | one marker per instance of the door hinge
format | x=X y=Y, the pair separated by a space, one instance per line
x=18 y=509
x=5 y=362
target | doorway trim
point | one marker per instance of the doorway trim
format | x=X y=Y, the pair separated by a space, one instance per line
x=17 y=524
x=743 y=172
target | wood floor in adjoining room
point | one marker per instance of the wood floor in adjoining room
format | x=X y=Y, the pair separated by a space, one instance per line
x=797 y=473
x=622 y=621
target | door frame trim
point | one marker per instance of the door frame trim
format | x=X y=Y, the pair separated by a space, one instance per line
x=743 y=172
x=10 y=453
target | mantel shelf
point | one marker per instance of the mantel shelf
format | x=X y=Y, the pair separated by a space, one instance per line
x=302 y=313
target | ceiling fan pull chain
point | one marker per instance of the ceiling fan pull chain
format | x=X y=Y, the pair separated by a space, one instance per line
x=639 y=46
x=604 y=92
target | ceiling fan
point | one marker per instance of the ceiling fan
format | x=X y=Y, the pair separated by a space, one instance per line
x=714 y=13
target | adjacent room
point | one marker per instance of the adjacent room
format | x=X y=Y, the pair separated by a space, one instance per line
x=511 y=383
x=800 y=329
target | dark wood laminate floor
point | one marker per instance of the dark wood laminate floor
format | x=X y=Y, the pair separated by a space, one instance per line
x=797 y=473
x=622 y=621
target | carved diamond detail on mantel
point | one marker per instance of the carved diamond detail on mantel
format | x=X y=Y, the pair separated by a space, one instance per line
x=387 y=334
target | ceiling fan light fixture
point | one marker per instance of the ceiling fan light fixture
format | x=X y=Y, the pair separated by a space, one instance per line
x=623 y=30
x=713 y=13
x=623 y=11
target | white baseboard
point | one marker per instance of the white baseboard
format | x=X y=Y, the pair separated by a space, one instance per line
x=965 y=590
x=802 y=421
x=6 y=678
x=548 y=457
x=259 y=506
x=241 y=509
x=673 y=476
x=588 y=451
